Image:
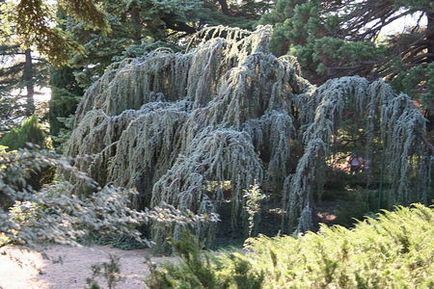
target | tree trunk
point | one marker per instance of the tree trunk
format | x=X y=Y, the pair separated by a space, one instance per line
x=225 y=8
x=28 y=79
x=137 y=29
x=430 y=35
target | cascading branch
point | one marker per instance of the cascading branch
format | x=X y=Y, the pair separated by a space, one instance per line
x=195 y=129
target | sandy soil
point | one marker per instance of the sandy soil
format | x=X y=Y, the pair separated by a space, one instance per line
x=24 y=269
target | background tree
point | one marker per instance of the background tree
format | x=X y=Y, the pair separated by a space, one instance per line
x=20 y=72
x=335 y=38
x=29 y=34
x=26 y=26
x=410 y=54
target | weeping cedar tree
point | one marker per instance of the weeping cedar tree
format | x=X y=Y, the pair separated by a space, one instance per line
x=136 y=27
x=194 y=129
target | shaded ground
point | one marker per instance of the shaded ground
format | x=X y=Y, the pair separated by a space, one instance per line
x=69 y=267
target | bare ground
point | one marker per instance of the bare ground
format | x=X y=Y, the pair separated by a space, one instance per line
x=68 y=267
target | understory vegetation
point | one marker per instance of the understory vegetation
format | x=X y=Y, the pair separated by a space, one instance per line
x=392 y=250
x=30 y=131
x=31 y=215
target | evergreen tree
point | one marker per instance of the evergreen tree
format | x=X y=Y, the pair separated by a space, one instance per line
x=136 y=26
x=21 y=70
x=335 y=38
x=19 y=74
x=410 y=54
x=310 y=31
x=65 y=95
x=32 y=23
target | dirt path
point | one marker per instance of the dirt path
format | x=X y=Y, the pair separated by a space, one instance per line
x=35 y=272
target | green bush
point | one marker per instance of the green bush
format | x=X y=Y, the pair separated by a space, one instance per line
x=199 y=270
x=30 y=131
x=394 y=250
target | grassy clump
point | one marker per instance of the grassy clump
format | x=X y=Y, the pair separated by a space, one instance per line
x=394 y=250
x=30 y=131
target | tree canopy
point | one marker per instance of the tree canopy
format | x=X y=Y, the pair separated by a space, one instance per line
x=336 y=38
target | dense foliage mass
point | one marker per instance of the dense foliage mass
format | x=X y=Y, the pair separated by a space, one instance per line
x=337 y=38
x=188 y=116
x=194 y=129
x=393 y=250
x=136 y=27
x=330 y=39
x=31 y=215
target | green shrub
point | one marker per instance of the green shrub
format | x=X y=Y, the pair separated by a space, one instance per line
x=199 y=270
x=393 y=250
x=30 y=131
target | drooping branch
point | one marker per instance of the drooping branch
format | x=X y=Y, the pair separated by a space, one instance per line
x=194 y=129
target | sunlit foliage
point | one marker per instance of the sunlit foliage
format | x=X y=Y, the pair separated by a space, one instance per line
x=55 y=214
x=229 y=111
x=392 y=250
